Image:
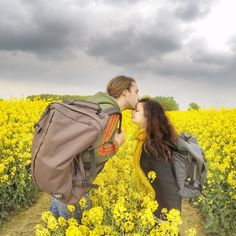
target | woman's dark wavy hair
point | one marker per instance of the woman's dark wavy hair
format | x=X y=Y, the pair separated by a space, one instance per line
x=159 y=129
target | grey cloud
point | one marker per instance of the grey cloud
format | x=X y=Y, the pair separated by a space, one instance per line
x=186 y=69
x=194 y=62
x=211 y=58
x=57 y=29
x=218 y=65
x=204 y=72
x=130 y=45
x=232 y=44
x=125 y=47
x=112 y=2
x=192 y=10
x=81 y=71
x=116 y=48
x=42 y=29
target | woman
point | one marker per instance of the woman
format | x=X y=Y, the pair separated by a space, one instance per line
x=153 y=154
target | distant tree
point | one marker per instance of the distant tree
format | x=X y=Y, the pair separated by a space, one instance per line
x=147 y=96
x=193 y=106
x=168 y=103
x=58 y=97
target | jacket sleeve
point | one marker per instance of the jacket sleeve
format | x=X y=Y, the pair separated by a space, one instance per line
x=105 y=145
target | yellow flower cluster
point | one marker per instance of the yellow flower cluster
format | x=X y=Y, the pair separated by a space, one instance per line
x=216 y=133
x=17 y=119
x=93 y=217
x=118 y=205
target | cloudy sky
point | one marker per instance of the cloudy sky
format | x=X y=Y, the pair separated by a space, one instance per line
x=180 y=48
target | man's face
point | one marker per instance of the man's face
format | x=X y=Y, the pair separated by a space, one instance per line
x=132 y=96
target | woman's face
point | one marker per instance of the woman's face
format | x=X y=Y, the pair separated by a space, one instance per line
x=138 y=116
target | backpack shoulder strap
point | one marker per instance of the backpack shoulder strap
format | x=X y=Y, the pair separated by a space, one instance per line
x=176 y=148
x=80 y=103
x=114 y=110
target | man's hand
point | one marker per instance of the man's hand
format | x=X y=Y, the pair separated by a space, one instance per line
x=119 y=138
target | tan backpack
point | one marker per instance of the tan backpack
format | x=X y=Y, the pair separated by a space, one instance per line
x=64 y=131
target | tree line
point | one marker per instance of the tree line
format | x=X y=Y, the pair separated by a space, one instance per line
x=168 y=103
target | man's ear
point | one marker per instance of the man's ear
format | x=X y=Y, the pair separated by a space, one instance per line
x=125 y=92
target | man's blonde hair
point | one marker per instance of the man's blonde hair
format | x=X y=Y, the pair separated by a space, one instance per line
x=118 y=84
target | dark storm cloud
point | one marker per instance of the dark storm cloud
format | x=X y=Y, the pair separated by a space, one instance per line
x=131 y=44
x=125 y=47
x=41 y=28
x=49 y=28
x=54 y=28
x=103 y=29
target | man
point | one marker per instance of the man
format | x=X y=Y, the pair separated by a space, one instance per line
x=122 y=93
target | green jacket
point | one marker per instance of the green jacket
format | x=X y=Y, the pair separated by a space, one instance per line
x=104 y=146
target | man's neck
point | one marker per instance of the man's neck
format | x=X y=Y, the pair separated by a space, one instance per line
x=121 y=103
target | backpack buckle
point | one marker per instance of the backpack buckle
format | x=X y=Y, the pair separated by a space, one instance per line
x=83 y=184
x=37 y=128
x=79 y=183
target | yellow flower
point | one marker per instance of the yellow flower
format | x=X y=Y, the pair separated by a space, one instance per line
x=41 y=231
x=52 y=223
x=2 y=167
x=4 y=179
x=72 y=222
x=73 y=231
x=61 y=221
x=128 y=226
x=93 y=217
x=232 y=179
x=192 y=232
x=71 y=208
x=151 y=176
x=83 y=203
x=45 y=216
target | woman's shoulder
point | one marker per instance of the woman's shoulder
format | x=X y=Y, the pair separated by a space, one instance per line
x=151 y=158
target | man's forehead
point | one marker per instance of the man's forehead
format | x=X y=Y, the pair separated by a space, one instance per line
x=134 y=85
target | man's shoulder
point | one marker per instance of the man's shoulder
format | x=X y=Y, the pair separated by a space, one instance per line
x=104 y=99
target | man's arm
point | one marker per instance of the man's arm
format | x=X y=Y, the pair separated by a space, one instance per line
x=109 y=142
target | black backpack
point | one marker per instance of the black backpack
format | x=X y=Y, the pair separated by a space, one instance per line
x=189 y=166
